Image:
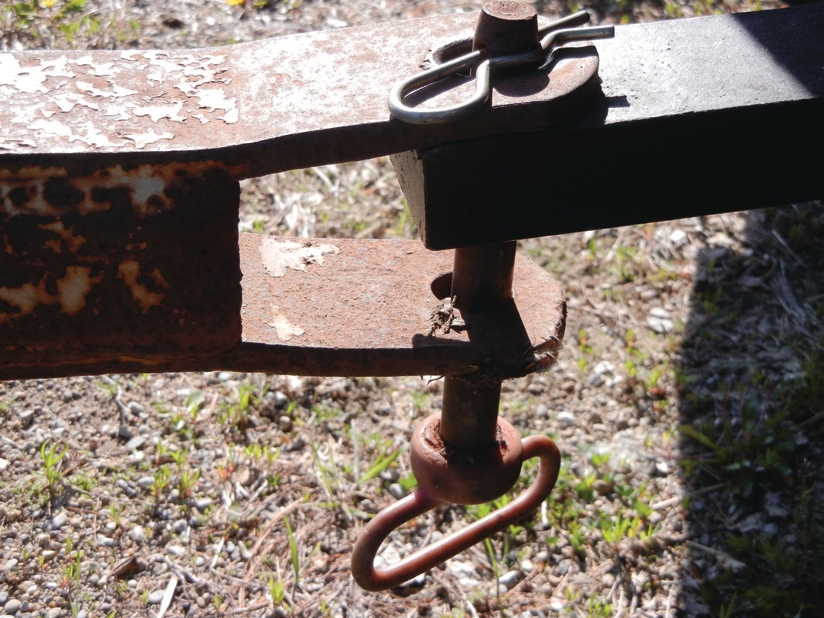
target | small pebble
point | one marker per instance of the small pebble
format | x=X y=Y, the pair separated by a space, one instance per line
x=26 y=586
x=176 y=550
x=156 y=597
x=201 y=504
x=509 y=579
x=179 y=527
x=59 y=520
x=12 y=606
x=244 y=551
x=397 y=491
x=125 y=432
x=135 y=443
x=105 y=541
x=566 y=418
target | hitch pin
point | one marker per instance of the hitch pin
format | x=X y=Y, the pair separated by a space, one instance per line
x=553 y=34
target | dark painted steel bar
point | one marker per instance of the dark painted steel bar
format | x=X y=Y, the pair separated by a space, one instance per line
x=697 y=116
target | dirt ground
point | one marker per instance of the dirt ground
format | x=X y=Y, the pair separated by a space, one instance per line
x=688 y=402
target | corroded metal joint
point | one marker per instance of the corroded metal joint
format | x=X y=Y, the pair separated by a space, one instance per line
x=507 y=27
x=465 y=476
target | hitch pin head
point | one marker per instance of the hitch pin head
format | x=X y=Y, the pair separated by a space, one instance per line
x=554 y=34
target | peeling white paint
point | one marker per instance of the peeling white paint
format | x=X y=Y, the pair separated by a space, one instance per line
x=102 y=104
x=74 y=287
x=141 y=140
x=31 y=79
x=9 y=144
x=285 y=329
x=25 y=297
x=129 y=271
x=73 y=243
x=72 y=290
x=156 y=112
x=146 y=185
x=279 y=256
x=67 y=103
x=93 y=136
x=103 y=69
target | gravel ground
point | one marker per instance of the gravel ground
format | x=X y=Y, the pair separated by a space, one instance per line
x=687 y=402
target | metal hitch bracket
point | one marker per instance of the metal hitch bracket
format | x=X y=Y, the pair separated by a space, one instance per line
x=119 y=197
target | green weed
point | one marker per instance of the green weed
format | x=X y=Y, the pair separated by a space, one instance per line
x=52 y=473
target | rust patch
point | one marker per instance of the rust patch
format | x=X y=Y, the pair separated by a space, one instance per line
x=368 y=311
x=149 y=274
x=50 y=192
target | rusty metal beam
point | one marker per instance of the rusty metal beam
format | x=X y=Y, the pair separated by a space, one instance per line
x=107 y=271
x=697 y=116
x=319 y=307
x=259 y=107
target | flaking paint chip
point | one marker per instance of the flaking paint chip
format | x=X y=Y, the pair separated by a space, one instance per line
x=279 y=256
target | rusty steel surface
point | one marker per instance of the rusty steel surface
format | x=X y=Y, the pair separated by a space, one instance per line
x=98 y=272
x=367 y=307
x=322 y=307
x=481 y=282
x=465 y=476
x=259 y=107
x=731 y=101
x=367 y=546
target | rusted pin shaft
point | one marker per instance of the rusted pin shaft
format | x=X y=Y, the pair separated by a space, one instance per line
x=482 y=274
x=481 y=282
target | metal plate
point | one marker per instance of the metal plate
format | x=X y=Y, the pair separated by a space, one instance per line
x=257 y=107
x=321 y=307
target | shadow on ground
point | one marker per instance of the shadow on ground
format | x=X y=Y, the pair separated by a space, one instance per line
x=751 y=384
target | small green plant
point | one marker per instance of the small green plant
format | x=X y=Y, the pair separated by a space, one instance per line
x=276 y=591
x=187 y=482
x=83 y=481
x=294 y=554
x=115 y=513
x=598 y=608
x=383 y=462
x=71 y=570
x=179 y=457
x=193 y=403
x=160 y=481
x=51 y=459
